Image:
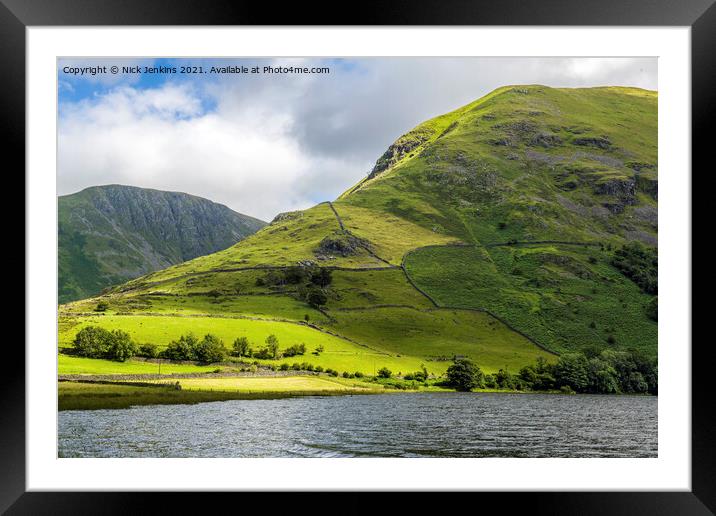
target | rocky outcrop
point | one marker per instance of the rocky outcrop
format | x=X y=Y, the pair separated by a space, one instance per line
x=398 y=150
x=599 y=142
x=340 y=244
x=622 y=192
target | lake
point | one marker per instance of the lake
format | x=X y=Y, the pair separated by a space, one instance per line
x=390 y=425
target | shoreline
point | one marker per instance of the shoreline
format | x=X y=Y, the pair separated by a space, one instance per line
x=95 y=393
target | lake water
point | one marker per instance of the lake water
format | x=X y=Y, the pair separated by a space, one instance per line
x=391 y=425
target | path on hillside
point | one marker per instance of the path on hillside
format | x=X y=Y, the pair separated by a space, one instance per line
x=485 y=310
x=365 y=247
x=437 y=305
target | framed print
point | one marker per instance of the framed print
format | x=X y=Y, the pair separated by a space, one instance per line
x=421 y=251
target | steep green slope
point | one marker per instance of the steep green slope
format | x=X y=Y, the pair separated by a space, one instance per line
x=488 y=232
x=109 y=234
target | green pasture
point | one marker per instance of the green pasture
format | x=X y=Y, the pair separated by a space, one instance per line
x=567 y=297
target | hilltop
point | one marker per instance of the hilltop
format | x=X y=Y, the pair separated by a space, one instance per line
x=490 y=232
x=110 y=234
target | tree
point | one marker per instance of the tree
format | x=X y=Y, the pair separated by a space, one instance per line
x=295 y=275
x=321 y=277
x=241 y=347
x=316 y=297
x=603 y=378
x=272 y=345
x=463 y=375
x=384 y=372
x=210 y=349
x=182 y=349
x=92 y=342
x=571 y=370
x=120 y=346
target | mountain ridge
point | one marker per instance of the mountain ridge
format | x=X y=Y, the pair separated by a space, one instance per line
x=111 y=233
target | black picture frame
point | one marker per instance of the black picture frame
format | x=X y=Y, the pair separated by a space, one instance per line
x=700 y=15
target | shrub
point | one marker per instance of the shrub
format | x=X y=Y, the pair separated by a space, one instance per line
x=358 y=374
x=263 y=354
x=463 y=375
x=640 y=264
x=148 y=350
x=284 y=367
x=505 y=380
x=566 y=389
x=298 y=349
x=490 y=382
x=346 y=374
x=102 y=306
x=384 y=372
x=318 y=369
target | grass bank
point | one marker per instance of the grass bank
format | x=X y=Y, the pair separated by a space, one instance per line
x=93 y=396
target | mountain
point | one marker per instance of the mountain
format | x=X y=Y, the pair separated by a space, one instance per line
x=503 y=231
x=110 y=234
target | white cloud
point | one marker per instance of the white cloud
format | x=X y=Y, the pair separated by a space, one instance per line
x=275 y=143
x=160 y=138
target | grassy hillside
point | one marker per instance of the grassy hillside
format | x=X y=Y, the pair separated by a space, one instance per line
x=109 y=234
x=489 y=232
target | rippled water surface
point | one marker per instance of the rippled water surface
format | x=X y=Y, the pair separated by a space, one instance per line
x=392 y=425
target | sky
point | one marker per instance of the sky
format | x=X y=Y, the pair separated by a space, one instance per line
x=269 y=142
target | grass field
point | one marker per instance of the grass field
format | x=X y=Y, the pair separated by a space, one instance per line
x=93 y=396
x=80 y=365
x=437 y=335
x=391 y=236
x=373 y=288
x=275 y=384
x=566 y=297
x=339 y=354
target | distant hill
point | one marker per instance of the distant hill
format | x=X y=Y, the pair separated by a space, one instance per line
x=496 y=232
x=110 y=234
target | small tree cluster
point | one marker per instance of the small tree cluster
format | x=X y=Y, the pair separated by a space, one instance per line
x=312 y=282
x=208 y=350
x=97 y=342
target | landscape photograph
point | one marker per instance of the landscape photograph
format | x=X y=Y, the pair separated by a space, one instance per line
x=357 y=257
